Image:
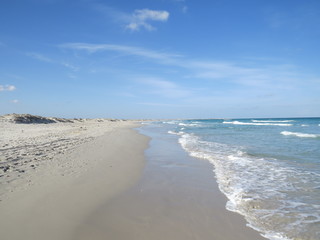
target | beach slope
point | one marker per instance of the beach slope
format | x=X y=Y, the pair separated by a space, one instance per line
x=51 y=201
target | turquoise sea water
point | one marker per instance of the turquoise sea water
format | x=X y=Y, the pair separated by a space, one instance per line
x=269 y=169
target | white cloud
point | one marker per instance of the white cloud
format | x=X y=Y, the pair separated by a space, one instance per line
x=15 y=101
x=140 y=19
x=11 y=88
x=7 y=88
x=146 y=14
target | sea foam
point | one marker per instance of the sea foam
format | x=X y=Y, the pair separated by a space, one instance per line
x=188 y=124
x=258 y=123
x=175 y=133
x=257 y=188
x=272 y=121
x=298 y=134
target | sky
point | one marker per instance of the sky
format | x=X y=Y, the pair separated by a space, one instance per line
x=160 y=58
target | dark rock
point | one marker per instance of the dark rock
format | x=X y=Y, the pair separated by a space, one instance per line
x=6 y=168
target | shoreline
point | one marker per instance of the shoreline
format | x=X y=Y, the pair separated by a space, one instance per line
x=118 y=183
x=176 y=198
x=72 y=185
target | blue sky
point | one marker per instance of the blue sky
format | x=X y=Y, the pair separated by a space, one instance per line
x=160 y=58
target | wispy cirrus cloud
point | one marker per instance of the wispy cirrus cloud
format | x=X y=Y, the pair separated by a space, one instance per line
x=235 y=72
x=70 y=66
x=128 y=50
x=164 y=87
x=8 y=88
x=39 y=57
x=43 y=58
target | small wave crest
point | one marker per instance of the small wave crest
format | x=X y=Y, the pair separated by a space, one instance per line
x=272 y=121
x=175 y=133
x=189 y=124
x=258 y=123
x=298 y=134
x=170 y=122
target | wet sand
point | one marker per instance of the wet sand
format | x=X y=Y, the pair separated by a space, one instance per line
x=177 y=198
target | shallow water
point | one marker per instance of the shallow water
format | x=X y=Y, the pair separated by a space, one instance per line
x=268 y=168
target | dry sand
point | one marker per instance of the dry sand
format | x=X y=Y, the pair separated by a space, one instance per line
x=79 y=166
x=24 y=147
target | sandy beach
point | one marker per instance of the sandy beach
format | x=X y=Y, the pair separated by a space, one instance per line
x=98 y=179
x=176 y=198
x=82 y=166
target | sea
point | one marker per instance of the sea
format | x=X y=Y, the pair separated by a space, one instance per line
x=269 y=169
